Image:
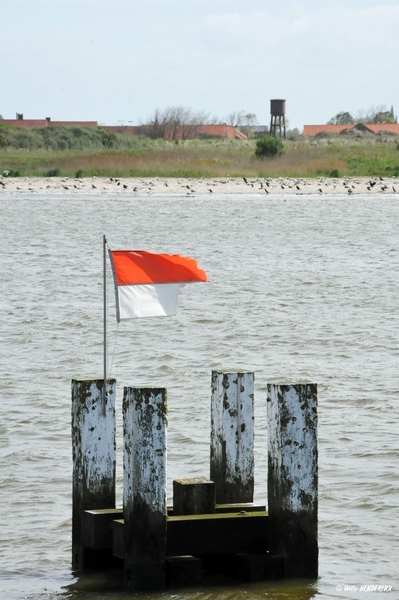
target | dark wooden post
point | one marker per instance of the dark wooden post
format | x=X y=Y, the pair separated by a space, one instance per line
x=144 y=487
x=93 y=456
x=193 y=496
x=293 y=476
x=232 y=437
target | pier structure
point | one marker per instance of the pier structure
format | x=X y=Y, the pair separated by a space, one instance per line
x=213 y=525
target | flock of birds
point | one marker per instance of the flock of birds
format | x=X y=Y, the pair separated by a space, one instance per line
x=202 y=185
x=324 y=185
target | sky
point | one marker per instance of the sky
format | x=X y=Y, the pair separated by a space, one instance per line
x=118 y=61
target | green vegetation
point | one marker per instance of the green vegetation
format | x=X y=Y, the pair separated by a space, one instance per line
x=65 y=138
x=268 y=146
x=85 y=152
x=379 y=114
x=342 y=118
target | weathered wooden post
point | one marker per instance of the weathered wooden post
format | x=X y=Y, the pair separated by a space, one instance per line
x=194 y=496
x=93 y=456
x=144 y=487
x=293 y=477
x=232 y=437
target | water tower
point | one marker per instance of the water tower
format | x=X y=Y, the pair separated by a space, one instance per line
x=277 y=120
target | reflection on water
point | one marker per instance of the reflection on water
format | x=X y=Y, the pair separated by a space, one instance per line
x=110 y=586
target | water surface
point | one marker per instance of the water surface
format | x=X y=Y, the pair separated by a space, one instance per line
x=301 y=289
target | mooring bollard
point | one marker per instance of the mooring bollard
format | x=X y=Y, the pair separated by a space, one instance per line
x=293 y=477
x=232 y=436
x=144 y=487
x=93 y=456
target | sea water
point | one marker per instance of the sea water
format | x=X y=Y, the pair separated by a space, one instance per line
x=301 y=288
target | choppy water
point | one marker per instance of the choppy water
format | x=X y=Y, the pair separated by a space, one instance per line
x=302 y=288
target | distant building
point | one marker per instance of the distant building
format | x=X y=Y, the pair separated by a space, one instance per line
x=260 y=130
x=19 y=121
x=175 y=132
x=312 y=130
x=180 y=132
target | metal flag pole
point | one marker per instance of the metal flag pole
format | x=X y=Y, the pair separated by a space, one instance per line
x=105 y=321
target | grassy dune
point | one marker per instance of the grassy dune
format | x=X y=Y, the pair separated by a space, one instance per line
x=345 y=156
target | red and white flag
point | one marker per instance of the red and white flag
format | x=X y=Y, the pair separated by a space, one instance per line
x=148 y=284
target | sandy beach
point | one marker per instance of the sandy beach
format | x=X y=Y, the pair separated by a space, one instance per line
x=202 y=186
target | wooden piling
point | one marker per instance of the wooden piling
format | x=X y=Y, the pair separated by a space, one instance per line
x=232 y=436
x=93 y=456
x=158 y=549
x=293 y=477
x=144 y=487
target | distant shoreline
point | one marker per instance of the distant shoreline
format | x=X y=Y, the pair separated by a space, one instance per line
x=154 y=186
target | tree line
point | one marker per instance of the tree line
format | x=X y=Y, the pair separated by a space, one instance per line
x=179 y=121
x=376 y=115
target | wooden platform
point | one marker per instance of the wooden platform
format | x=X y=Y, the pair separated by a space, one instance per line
x=214 y=527
x=233 y=541
x=198 y=535
x=234 y=528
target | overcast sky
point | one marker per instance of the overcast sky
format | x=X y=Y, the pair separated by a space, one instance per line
x=116 y=61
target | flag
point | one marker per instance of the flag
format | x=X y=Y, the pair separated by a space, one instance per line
x=148 y=284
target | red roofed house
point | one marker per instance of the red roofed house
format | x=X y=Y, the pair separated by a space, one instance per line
x=27 y=123
x=312 y=130
x=175 y=132
x=182 y=132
